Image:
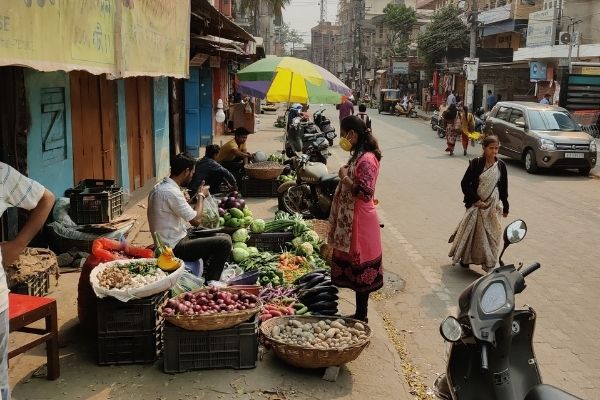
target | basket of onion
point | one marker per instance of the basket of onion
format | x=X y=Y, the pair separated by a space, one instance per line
x=211 y=308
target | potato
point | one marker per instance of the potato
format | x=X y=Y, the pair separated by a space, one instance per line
x=331 y=332
x=317 y=329
x=359 y=326
x=276 y=331
x=336 y=324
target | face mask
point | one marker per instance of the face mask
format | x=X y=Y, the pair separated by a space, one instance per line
x=345 y=144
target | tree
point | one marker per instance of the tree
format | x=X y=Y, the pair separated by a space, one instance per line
x=445 y=31
x=400 y=20
x=289 y=35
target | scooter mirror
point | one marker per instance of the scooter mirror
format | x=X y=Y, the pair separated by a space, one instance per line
x=451 y=330
x=515 y=231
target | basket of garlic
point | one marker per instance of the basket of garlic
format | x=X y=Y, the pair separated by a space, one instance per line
x=132 y=279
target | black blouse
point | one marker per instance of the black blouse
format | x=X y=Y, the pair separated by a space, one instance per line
x=470 y=183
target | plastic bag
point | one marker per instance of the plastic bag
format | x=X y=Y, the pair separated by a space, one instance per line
x=230 y=271
x=186 y=283
x=210 y=213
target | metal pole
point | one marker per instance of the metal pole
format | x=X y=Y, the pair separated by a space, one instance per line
x=571 y=31
x=472 y=53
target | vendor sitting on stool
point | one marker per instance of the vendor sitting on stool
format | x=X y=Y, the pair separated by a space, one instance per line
x=211 y=172
x=234 y=154
x=170 y=215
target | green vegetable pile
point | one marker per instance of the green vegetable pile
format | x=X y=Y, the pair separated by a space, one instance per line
x=236 y=218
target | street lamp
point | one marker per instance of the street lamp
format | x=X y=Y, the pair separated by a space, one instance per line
x=220 y=115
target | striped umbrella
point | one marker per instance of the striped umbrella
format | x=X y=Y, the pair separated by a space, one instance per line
x=292 y=80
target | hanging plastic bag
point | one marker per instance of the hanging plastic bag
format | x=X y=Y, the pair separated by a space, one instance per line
x=210 y=213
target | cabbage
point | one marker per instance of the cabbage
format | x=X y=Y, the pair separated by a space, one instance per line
x=240 y=245
x=240 y=255
x=257 y=226
x=252 y=250
x=241 y=235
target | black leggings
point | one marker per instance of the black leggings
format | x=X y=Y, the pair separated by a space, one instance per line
x=362 y=305
x=213 y=250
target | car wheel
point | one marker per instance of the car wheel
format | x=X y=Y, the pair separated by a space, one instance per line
x=584 y=171
x=530 y=162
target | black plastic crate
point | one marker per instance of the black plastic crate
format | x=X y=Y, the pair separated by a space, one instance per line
x=186 y=350
x=272 y=241
x=36 y=285
x=250 y=187
x=131 y=318
x=97 y=205
x=129 y=349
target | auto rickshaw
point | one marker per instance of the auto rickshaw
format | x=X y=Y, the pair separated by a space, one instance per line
x=388 y=99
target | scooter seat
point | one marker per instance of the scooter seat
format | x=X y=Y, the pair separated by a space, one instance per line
x=547 y=392
x=329 y=178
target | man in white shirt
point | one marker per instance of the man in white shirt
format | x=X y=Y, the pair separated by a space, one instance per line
x=451 y=99
x=170 y=215
x=17 y=190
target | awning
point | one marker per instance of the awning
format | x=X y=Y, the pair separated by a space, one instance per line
x=381 y=71
x=207 y=20
x=212 y=44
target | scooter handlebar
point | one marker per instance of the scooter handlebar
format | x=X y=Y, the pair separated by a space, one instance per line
x=528 y=270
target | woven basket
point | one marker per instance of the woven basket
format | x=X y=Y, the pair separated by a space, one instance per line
x=321 y=226
x=270 y=171
x=213 y=322
x=304 y=357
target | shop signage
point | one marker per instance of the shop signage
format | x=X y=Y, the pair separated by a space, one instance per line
x=471 y=66
x=541 y=29
x=496 y=14
x=538 y=71
x=399 y=67
x=590 y=70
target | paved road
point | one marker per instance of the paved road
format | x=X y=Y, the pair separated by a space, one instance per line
x=421 y=203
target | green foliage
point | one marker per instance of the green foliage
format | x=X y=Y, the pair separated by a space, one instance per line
x=400 y=20
x=445 y=31
x=289 y=35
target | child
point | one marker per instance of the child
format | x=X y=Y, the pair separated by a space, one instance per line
x=362 y=114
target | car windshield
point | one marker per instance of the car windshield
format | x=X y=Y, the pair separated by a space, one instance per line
x=551 y=121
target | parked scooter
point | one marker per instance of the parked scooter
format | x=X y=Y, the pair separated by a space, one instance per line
x=324 y=124
x=492 y=355
x=438 y=123
x=312 y=193
x=305 y=137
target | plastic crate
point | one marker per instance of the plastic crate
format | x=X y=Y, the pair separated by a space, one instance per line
x=273 y=241
x=235 y=348
x=36 y=285
x=129 y=349
x=250 y=187
x=95 y=201
x=131 y=318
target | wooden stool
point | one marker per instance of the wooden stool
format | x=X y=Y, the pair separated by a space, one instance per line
x=25 y=310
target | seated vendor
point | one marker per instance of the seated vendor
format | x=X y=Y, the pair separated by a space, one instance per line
x=211 y=172
x=234 y=154
x=170 y=215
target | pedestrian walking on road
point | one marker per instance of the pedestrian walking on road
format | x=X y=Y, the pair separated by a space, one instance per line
x=467 y=125
x=354 y=225
x=17 y=190
x=478 y=236
x=452 y=119
x=362 y=114
x=490 y=101
x=346 y=109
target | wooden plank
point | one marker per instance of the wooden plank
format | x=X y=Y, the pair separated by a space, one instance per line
x=146 y=131
x=108 y=118
x=77 y=126
x=133 y=142
x=92 y=126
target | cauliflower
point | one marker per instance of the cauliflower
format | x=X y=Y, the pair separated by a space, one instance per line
x=306 y=248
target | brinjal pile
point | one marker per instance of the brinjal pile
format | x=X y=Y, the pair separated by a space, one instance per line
x=316 y=292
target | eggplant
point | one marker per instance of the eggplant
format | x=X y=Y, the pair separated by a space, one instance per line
x=322 y=297
x=307 y=277
x=326 y=312
x=322 y=305
x=312 y=283
x=316 y=290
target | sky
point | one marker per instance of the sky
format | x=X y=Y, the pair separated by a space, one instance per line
x=302 y=15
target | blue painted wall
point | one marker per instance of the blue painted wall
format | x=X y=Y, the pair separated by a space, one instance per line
x=123 y=161
x=52 y=168
x=161 y=127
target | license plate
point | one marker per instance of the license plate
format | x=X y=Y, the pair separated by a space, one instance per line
x=574 y=155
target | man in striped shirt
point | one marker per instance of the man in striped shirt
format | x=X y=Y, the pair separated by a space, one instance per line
x=17 y=190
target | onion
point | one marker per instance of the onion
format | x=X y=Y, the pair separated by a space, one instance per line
x=168 y=311
x=242 y=203
x=172 y=304
x=188 y=296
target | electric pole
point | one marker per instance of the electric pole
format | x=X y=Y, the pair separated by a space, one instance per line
x=323 y=10
x=472 y=53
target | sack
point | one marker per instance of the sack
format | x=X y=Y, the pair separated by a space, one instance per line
x=210 y=213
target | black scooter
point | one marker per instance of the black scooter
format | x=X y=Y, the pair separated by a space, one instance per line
x=324 y=124
x=306 y=137
x=492 y=355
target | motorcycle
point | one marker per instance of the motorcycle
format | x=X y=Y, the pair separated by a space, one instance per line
x=410 y=111
x=305 y=137
x=312 y=193
x=324 y=124
x=491 y=355
x=438 y=124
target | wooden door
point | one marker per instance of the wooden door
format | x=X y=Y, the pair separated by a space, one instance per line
x=140 y=138
x=94 y=126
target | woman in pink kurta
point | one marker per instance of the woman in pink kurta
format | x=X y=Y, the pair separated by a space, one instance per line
x=355 y=233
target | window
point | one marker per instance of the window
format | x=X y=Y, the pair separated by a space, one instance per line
x=551 y=121
x=503 y=113
x=516 y=115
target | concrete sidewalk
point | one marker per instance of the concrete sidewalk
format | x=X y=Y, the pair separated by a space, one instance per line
x=377 y=373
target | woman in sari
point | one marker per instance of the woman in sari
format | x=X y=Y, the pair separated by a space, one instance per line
x=477 y=238
x=354 y=234
x=452 y=119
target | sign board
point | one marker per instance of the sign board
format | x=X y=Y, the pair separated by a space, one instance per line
x=541 y=29
x=496 y=14
x=538 y=71
x=471 y=66
x=563 y=62
x=590 y=70
x=400 y=67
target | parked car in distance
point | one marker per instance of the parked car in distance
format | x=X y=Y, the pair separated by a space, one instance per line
x=542 y=136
